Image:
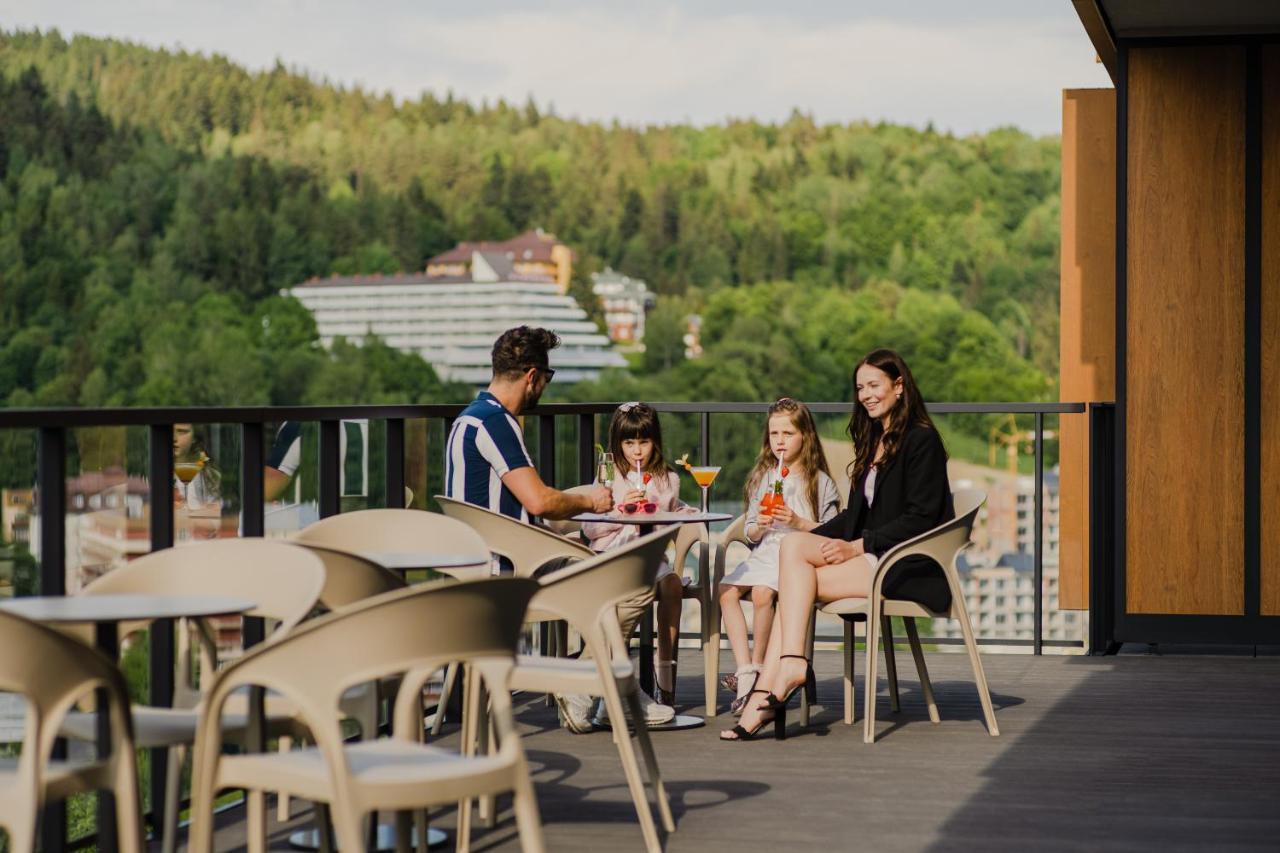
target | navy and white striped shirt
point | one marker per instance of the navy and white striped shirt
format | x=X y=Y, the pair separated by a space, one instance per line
x=484 y=444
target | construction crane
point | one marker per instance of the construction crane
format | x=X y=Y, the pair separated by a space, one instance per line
x=1005 y=433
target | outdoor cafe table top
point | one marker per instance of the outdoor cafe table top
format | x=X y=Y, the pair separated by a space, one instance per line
x=86 y=609
x=653 y=518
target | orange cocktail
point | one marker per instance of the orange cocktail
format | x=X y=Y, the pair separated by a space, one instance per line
x=187 y=471
x=704 y=476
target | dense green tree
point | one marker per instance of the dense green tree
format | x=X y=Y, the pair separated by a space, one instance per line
x=154 y=204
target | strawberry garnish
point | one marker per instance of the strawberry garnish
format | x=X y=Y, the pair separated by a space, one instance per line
x=785 y=470
x=647 y=478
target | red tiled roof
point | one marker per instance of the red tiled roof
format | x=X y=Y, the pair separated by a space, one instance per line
x=537 y=244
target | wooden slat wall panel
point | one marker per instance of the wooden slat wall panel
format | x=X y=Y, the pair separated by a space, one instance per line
x=1185 y=331
x=1087 y=340
x=1269 y=600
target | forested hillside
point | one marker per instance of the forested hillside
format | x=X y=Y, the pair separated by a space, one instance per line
x=153 y=203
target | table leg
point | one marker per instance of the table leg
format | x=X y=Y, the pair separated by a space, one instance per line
x=646 y=650
x=646 y=636
x=106 y=637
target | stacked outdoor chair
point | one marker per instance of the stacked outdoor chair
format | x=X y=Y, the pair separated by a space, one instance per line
x=282 y=580
x=52 y=672
x=381 y=530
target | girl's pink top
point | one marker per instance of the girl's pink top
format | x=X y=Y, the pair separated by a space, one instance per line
x=664 y=491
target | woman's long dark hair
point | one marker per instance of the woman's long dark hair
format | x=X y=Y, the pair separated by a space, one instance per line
x=907 y=412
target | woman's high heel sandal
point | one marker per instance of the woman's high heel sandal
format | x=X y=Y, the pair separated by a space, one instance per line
x=744 y=734
x=746 y=679
x=779 y=706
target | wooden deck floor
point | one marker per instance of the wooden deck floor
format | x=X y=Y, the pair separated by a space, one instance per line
x=1122 y=753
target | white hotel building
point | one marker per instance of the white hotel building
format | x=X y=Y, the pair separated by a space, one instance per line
x=453 y=320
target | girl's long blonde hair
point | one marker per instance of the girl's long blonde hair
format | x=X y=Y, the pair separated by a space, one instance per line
x=812 y=459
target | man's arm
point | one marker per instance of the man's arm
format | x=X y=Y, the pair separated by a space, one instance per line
x=273 y=482
x=543 y=501
x=282 y=460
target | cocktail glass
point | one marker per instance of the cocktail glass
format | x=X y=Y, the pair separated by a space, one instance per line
x=186 y=472
x=704 y=476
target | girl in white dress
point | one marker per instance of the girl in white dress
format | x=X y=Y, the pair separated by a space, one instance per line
x=790 y=456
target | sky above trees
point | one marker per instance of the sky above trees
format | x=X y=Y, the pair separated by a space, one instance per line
x=962 y=67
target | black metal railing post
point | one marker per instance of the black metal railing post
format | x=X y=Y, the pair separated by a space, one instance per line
x=51 y=477
x=1037 y=636
x=547 y=449
x=1102 y=531
x=330 y=468
x=586 y=448
x=160 y=635
x=704 y=438
x=253 y=463
x=394 y=475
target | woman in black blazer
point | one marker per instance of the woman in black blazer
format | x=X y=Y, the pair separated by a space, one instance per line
x=898 y=490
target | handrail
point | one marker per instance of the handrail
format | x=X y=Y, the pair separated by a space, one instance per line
x=24 y=418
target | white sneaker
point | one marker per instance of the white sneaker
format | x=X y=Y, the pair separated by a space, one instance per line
x=575 y=712
x=654 y=714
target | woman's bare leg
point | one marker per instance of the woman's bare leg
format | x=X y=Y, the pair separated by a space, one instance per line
x=763 y=602
x=804 y=578
x=735 y=624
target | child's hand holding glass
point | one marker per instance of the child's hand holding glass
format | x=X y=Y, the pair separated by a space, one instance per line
x=782 y=516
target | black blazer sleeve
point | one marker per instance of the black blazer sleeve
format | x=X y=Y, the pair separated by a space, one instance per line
x=837 y=526
x=924 y=462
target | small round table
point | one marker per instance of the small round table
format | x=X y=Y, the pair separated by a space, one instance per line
x=648 y=522
x=105 y=613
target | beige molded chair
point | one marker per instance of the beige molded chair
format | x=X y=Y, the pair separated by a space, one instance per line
x=370 y=531
x=52 y=672
x=375 y=530
x=586 y=595
x=706 y=591
x=735 y=532
x=282 y=580
x=350 y=578
x=529 y=547
x=414 y=632
x=944 y=544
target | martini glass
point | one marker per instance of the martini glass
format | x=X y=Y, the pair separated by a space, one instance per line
x=186 y=472
x=704 y=476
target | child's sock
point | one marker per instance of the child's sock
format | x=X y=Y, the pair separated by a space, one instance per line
x=746 y=679
x=663 y=669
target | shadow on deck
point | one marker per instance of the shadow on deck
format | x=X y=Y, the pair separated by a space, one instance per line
x=1137 y=752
